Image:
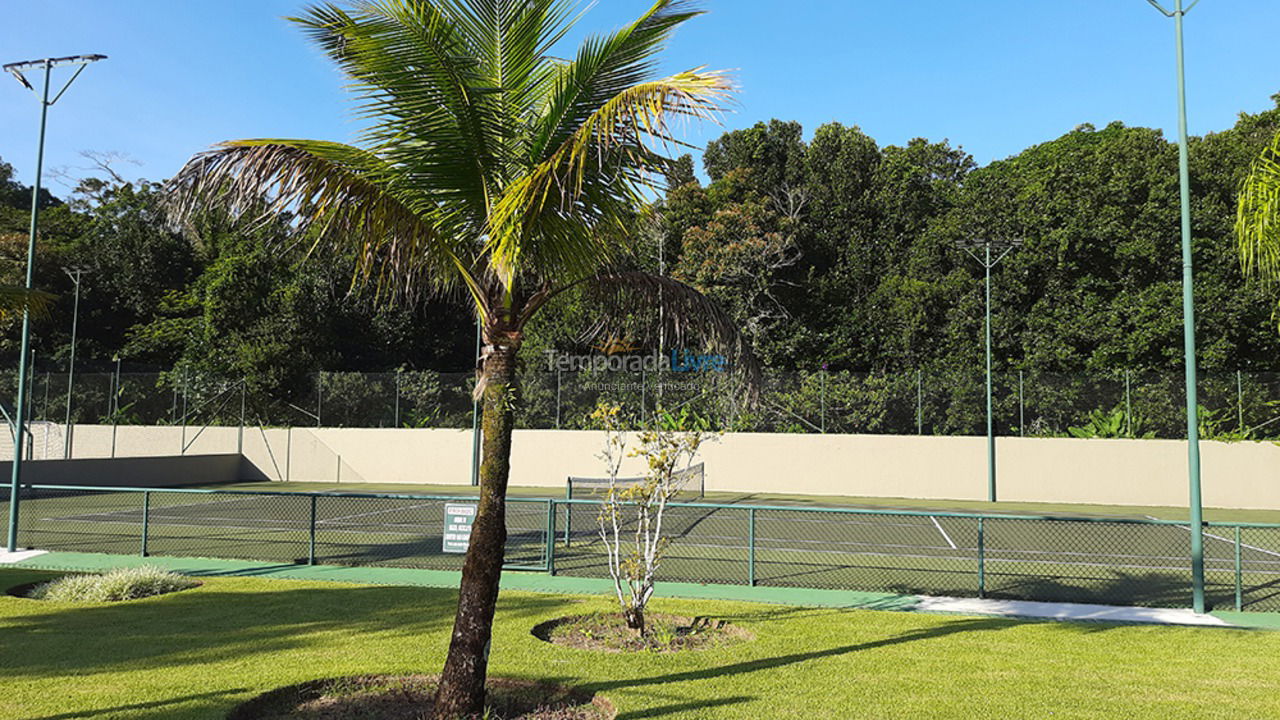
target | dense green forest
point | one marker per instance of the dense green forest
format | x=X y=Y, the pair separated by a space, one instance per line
x=833 y=252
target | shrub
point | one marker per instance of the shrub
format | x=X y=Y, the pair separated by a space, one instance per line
x=118 y=584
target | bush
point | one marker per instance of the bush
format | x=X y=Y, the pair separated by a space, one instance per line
x=118 y=584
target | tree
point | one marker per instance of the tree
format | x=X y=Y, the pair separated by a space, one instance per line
x=1258 y=216
x=492 y=169
x=668 y=446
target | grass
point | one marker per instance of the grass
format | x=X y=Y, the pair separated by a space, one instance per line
x=197 y=653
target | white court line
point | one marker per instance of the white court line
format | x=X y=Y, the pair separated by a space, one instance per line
x=1231 y=541
x=156 y=509
x=945 y=536
x=342 y=518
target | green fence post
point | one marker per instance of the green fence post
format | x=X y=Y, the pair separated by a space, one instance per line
x=919 y=402
x=551 y=536
x=751 y=547
x=1022 y=408
x=1128 y=407
x=982 y=560
x=1239 y=579
x=1239 y=403
x=568 y=510
x=311 y=539
x=146 y=519
x=643 y=396
x=822 y=377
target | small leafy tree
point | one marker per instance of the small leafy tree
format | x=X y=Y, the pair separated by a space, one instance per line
x=636 y=546
x=1113 y=424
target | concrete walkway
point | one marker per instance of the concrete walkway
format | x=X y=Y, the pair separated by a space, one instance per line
x=560 y=584
x=1067 y=611
x=9 y=558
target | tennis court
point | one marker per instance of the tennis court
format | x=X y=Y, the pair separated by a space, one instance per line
x=1128 y=561
x=349 y=529
x=1115 y=561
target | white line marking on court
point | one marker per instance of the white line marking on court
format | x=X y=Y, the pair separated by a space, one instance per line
x=156 y=509
x=397 y=508
x=945 y=536
x=1230 y=541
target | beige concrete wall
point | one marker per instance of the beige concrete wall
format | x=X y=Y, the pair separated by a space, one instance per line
x=132 y=472
x=1067 y=470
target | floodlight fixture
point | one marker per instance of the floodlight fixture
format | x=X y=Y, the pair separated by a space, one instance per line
x=18 y=69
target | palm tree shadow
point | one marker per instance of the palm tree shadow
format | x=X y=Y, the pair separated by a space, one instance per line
x=153 y=705
x=683 y=707
x=770 y=663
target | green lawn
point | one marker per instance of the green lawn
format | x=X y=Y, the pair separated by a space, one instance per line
x=195 y=654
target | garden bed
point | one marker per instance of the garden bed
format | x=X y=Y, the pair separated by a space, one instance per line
x=409 y=697
x=664 y=633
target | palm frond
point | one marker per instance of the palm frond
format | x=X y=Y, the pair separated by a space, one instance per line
x=420 y=83
x=1258 y=216
x=686 y=318
x=604 y=67
x=339 y=195
x=612 y=154
x=15 y=299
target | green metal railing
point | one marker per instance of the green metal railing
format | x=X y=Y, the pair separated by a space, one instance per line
x=1123 y=561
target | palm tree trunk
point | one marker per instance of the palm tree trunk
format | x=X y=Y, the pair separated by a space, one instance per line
x=462 y=692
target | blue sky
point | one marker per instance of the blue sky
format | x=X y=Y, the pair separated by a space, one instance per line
x=993 y=76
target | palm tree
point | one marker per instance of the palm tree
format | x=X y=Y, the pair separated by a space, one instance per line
x=14 y=299
x=494 y=170
x=1258 y=216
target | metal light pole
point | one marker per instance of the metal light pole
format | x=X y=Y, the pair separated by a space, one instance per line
x=1188 y=318
x=76 y=274
x=475 y=422
x=1003 y=247
x=114 y=405
x=17 y=69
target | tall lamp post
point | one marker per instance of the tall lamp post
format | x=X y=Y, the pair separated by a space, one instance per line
x=1188 y=317
x=982 y=251
x=76 y=274
x=17 y=70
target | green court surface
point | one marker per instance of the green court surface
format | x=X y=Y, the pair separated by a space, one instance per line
x=1121 y=561
x=736 y=498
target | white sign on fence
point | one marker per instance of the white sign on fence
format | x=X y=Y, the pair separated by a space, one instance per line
x=457 y=526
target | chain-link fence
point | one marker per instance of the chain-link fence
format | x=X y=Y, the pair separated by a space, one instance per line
x=328 y=528
x=1235 y=405
x=1101 y=560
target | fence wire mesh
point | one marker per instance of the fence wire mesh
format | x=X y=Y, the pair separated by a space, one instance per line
x=1044 y=558
x=1235 y=405
x=341 y=529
